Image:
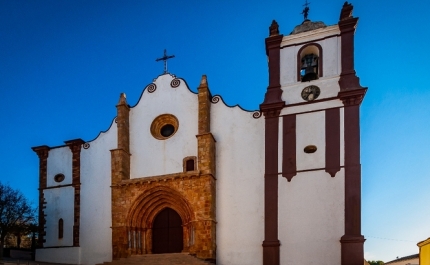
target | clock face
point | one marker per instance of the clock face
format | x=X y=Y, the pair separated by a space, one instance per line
x=310 y=93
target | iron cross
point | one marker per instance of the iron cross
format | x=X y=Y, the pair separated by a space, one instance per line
x=306 y=10
x=165 y=58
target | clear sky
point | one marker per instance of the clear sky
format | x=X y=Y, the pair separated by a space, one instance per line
x=63 y=65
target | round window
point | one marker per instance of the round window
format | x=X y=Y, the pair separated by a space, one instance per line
x=167 y=130
x=164 y=126
x=59 y=178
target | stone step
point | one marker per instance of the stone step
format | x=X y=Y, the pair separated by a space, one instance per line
x=160 y=259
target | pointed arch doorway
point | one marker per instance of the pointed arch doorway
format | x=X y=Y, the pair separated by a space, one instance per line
x=167 y=232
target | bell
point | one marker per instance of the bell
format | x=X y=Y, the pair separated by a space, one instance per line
x=310 y=67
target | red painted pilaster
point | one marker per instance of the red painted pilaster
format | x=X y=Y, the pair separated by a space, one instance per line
x=271 y=108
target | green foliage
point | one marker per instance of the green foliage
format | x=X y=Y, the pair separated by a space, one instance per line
x=375 y=262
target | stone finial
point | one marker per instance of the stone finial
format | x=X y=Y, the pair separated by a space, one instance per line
x=122 y=99
x=274 y=29
x=346 y=11
x=204 y=81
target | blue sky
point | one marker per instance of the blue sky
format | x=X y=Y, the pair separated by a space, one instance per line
x=63 y=65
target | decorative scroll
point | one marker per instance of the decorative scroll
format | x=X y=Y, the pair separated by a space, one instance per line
x=216 y=99
x=87 y=145
x=175 y=83
x=256 y=114
x=151 y=87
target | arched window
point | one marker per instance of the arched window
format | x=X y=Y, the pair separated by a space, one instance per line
x=60 y=228
x=190 y=164
x=309 y=62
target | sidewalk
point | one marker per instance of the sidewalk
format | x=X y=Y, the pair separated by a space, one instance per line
x=11 y=261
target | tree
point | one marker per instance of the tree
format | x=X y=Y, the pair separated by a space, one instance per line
x=376 y=262
x=15 y=212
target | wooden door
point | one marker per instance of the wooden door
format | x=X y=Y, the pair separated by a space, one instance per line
x=167 y=233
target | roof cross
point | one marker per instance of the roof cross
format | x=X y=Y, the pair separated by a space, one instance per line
x=306 y=10
x=165 y=58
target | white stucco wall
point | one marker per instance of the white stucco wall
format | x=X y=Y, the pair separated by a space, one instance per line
x=311 y=131
x=67 y=255
x=95 y=204
x=59 y=162
x=59 y=204
x=96 y=215
x=329 y=87
x=239 y=186
x=311 y=206
x=311 y=218
x=329 y=40
x=153 y=157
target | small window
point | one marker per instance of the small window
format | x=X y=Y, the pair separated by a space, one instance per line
x=167 y=130
x=59 y=178
x=60 y=228
x=190 y=165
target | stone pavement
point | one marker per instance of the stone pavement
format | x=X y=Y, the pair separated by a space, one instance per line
x=160 y=259
x=147 y=259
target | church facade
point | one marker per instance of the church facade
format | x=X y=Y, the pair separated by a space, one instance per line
x=183 y=172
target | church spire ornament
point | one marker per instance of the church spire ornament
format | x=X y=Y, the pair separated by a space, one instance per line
x=305 y=11
x=165 y=58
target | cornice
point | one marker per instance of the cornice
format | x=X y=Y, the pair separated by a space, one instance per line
x=296 y=39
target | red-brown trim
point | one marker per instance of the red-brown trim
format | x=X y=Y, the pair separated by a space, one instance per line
x=309 y=111
x=332 y=137
x=320 y=59
x=273 y=52
x=42 y=152
x=271 y=242
x=271 y=108
x=289 y=164
x=75 y=146
x=351 y=95
x=348 y=79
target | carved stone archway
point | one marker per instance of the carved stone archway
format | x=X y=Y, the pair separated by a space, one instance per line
x=144 y=210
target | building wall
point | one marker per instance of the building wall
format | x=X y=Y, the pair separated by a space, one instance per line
x=96 y=215
x=68 y=255
x=311 y=219
x=95 y=204
x=424 y=255
x=59 y=162
x=150 y=156
x=413 y=261
x=59 y=204
x=240 y=182
x=313 y=199
x=291 y=44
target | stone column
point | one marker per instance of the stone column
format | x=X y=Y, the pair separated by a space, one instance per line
x=120 y=170
x=42 y=152
x=205 y=233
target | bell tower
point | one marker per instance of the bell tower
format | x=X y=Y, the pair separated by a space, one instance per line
x=312 y=145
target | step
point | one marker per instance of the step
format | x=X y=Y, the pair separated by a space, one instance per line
x=160 y=259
